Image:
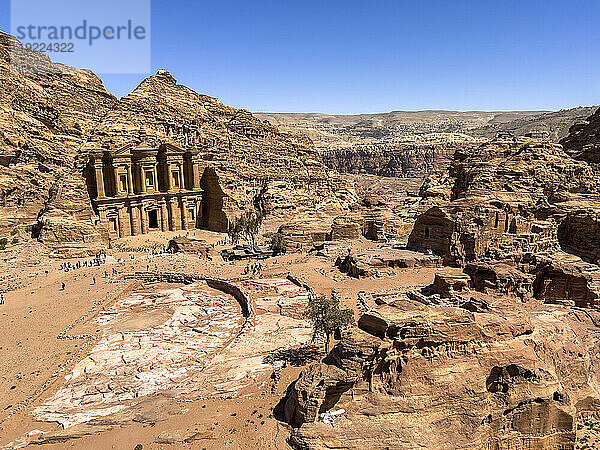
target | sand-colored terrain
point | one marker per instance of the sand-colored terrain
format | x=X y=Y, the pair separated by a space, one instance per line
x=115 y=361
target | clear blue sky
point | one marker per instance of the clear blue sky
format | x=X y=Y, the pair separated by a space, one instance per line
x=347 y=56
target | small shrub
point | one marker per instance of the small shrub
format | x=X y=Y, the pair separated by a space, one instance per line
x=327 y=316
x=3 y=243
x=278 y=243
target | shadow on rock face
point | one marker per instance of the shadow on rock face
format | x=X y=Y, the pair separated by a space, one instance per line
x=295 y=356
x=501 y=378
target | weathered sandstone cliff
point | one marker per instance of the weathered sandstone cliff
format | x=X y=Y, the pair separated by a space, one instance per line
x=583 y=141
x=54 y=115
x=505 y=200
x=424 y=376
x=403 y=159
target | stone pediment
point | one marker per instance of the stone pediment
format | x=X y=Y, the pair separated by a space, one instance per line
x=171 y=148
x=123 y=151
x=145 y=148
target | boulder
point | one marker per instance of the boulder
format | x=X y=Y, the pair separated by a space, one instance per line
x=366 y=263
x=316 y=390
x=447 y=285
x=356 y=350
x=575 y=283
x=499 y=277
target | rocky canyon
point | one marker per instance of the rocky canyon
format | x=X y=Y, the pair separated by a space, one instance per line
x=162 y=254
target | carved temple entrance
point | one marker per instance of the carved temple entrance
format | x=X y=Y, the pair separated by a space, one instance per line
x=153 y=219
x=137 y=189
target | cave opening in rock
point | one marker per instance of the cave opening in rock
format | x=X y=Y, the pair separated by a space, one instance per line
x=333 y=395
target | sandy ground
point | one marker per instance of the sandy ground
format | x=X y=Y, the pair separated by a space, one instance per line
x=38 y=310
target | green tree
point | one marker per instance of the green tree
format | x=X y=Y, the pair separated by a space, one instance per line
x=246 y=226
x=278 y=243
x=235 y=230
x=252 y=226
x=327 y=316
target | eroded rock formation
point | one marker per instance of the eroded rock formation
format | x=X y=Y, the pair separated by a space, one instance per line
x=505 y=200
x=583 y=141
x=576 y=283
x=368 y=262
x=48 y=112
x=403 y=159
x=426 y=376
x=499 y=353
x=579 y=233
x=53 y=116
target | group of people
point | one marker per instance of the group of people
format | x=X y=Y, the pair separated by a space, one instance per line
x=225 y=241
x=254 y=268
x=159 y=252
x=97 y=261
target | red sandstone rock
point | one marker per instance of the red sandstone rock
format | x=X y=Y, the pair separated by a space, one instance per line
x=439 y=377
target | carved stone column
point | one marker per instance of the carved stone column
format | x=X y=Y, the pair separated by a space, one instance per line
x=155 y=175
x=115 y=177
x=120 y=223
x=136 y=227
x=195 y=175
x=132 y=210
x=99 y=180
x=184 y=216
x=170 y=181
x=129 y=180
x=142 y=173
x=175 y=216
x=181 y=180
x=102 y=214
x=143 y=225
x=164 y=216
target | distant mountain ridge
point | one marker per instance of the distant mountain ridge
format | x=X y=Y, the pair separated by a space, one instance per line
x=416 y=143
x=397 y=117
x=485 y=124
x=556 y=124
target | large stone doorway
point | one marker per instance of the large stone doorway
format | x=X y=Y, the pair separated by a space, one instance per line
x=213 y=218
x=114 y=226
x=153 y=219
